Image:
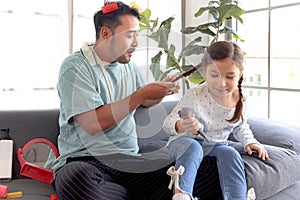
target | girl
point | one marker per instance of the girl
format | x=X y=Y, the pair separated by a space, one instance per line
x=218 y=108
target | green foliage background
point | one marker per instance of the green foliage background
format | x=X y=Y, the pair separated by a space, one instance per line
x=220 y=12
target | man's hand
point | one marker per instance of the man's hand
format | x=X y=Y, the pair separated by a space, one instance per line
x=153 y=93
x=262 y=152
x=170 y=78
x=158 y=90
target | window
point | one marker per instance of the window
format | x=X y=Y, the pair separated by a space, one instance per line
x=37 y=35
x=32 y=40
x=272 y=46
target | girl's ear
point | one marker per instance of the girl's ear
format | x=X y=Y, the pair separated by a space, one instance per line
x=241 y=73
x=105 y=32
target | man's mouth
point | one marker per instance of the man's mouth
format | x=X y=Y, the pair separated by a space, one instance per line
x=131 y=50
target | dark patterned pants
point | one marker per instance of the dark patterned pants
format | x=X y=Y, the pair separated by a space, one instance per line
x=127 y=177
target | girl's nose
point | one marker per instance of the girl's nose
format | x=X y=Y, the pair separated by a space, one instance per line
x=222 y=81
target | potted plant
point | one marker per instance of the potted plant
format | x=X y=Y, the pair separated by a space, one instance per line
x=221 y=13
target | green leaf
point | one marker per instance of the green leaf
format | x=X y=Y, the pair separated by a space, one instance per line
x=167 y=23
x=145 y=19
x=228 y=29
x=202 y=10
x=155 y=66
x=154 y=36
x=155 y=23
x=227 y=11
x=208 y=31
x=171 y=59
x=194 y=41
x=164 y=74
x=192 y=50
x=187 y=67
x=237 y=37
x=202 y=28
x=163 y=37
x=189 y=30
x=215 y=14
x=215 y=2
x=196 y=78
x=147 y=13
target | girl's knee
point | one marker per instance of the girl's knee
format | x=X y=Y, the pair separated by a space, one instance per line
x=229 y=154
x=185 y=146
x=231 y=151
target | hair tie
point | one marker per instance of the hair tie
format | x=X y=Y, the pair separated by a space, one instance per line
x=109 y=7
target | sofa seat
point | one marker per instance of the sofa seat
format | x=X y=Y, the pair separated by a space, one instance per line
x=31 y=189
x=277 y=179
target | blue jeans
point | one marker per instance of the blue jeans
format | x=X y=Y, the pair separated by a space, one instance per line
x=189 y=153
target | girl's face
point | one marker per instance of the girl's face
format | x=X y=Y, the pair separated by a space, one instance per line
x=222 y=77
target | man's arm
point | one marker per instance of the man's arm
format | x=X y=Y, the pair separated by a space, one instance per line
x=109 y=115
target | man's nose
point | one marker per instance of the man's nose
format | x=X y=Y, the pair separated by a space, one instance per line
x=135 y=42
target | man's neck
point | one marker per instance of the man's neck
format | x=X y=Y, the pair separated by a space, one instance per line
x=102 y=52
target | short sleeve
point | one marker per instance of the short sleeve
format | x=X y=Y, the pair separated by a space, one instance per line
x=77 y=88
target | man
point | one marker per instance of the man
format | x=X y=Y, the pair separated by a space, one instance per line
x=100 y=88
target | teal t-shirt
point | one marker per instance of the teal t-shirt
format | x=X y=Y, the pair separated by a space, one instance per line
x=82 y=86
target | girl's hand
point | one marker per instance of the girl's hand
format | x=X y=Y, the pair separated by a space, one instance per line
x=262 y=152
x=188 y=124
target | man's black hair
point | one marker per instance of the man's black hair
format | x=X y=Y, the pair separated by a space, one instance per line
x=111 y=19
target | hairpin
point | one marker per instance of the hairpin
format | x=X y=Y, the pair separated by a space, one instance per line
x=109 y=7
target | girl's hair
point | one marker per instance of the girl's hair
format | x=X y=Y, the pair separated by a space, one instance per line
x=111 y=19
x=221 y=50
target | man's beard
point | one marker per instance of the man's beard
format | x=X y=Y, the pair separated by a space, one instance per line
x=125 y=58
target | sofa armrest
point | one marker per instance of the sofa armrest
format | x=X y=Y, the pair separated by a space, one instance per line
x=275 y=133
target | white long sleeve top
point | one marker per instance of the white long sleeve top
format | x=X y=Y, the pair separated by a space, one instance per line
x=213 y=117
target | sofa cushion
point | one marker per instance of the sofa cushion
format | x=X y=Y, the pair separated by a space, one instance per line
x=290 y=193
x=149 y=124
x=268 y=177
x=275 y=133
x=31 y=189
x=4 y=134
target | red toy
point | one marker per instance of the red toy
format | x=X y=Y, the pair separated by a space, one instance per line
x=3 y=191
x=54 y=197
x=32 y=170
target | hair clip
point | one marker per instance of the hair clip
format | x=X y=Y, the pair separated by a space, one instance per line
x=109 y=7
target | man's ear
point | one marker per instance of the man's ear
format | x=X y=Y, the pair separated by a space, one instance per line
x=105 y=32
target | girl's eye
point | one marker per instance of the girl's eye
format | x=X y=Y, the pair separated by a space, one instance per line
x=231 y=77
x=214 y=75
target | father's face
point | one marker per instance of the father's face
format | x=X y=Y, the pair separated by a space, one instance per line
x=124 y=40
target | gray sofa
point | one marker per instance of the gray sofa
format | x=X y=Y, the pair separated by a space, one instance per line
x=278 y=178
